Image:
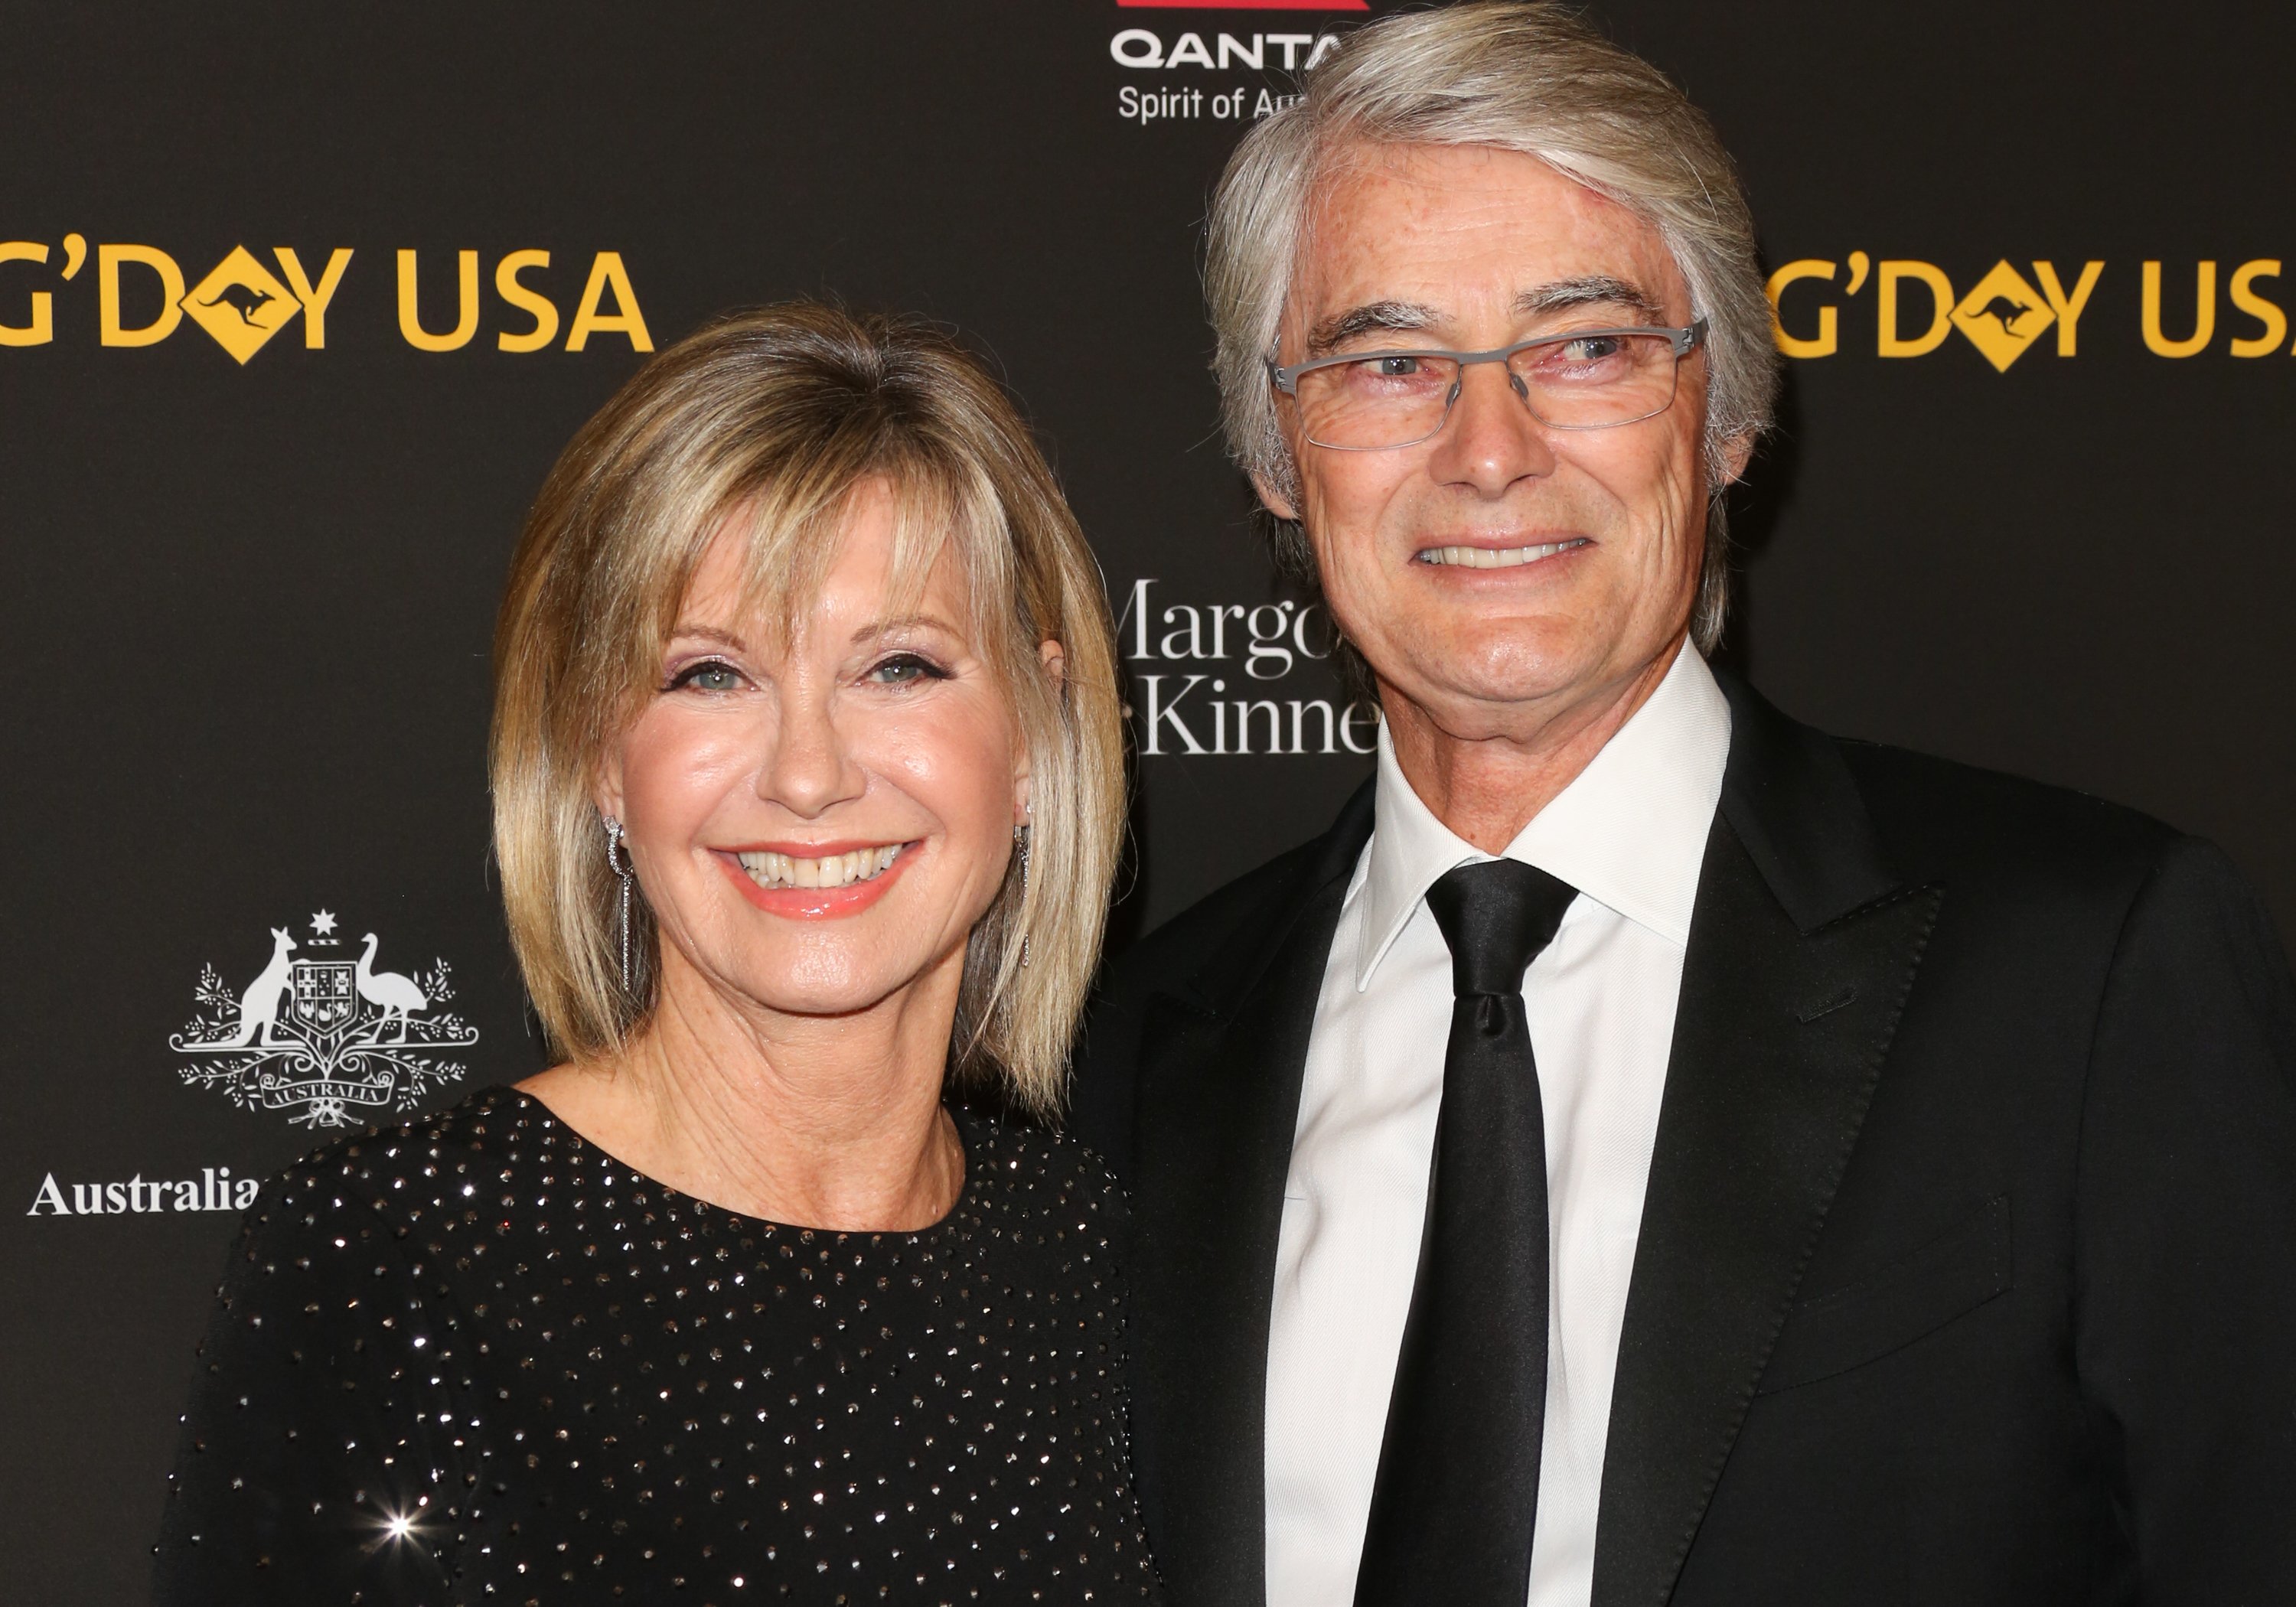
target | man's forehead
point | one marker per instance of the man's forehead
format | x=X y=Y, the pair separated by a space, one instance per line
x=1435 y=225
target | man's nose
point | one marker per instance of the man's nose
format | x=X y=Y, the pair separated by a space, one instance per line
x=1491 y=441
x=811 y=765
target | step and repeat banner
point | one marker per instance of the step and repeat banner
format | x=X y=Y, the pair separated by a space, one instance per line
x=297 y=307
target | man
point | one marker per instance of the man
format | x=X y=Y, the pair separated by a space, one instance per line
x=1647 y=1150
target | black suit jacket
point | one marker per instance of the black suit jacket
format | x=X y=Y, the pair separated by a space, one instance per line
x=1967 y=1271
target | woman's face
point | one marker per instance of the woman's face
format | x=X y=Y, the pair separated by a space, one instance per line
x=818 y=822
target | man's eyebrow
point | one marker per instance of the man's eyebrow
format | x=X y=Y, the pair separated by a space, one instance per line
x=1411 y=317
x=1405 y=317
x=1592 y=289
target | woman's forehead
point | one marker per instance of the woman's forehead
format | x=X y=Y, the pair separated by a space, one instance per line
x=883 y=557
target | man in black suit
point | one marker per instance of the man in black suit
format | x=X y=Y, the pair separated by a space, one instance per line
x=1647 y=1150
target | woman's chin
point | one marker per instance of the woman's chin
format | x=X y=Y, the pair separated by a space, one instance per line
x=821 y=980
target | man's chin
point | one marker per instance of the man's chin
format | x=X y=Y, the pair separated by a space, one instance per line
x=1477 y=688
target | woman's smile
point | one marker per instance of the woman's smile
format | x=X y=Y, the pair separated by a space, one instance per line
x=837 y=880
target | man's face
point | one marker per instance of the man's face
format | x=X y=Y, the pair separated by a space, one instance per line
x=1470 y=248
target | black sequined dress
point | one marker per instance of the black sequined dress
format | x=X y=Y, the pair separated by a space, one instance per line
x=476 y=1359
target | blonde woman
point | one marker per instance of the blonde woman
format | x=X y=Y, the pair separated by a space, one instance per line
x=808 y=789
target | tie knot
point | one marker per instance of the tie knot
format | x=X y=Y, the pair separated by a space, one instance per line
x=1496 y=917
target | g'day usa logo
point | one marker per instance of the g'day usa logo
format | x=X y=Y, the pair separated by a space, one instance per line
x=1915 y=306
x=143 y=295
x=322 y=1034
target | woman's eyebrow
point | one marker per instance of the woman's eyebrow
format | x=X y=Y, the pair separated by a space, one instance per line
x=710 y=633
x=886 y=628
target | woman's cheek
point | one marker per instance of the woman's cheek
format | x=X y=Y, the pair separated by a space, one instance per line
x=679 y=765
x=948 y=756
x=955 y=764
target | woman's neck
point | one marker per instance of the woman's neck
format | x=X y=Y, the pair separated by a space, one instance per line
x=830 y=1122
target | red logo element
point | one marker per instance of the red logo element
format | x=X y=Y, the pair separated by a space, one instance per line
x=1248 y=5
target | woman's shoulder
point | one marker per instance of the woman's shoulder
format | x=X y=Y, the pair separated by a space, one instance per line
x=399 y=1173
x=1043 y=1176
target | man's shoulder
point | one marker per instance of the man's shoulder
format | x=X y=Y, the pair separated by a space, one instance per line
x=2033 y=862
x=1926 y=817
x=1940 y=819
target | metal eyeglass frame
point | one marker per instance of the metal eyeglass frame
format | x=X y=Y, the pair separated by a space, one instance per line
x=1685 y=340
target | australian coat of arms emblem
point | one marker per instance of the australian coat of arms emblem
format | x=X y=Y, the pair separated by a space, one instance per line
x=323 y=1036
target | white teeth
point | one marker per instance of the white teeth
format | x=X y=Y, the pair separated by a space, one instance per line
x=768 y=869
x=1496 y=558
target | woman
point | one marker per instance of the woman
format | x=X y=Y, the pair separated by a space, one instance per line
x=808 y=789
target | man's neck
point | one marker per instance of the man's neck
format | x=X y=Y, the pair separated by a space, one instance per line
x=1486 y=780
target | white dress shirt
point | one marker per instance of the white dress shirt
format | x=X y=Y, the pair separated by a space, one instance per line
x=1629 y=833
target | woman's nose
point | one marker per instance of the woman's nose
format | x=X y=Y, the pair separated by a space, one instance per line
x=810 y=767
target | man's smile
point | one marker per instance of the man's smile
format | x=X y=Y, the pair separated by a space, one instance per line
x=1497 y=558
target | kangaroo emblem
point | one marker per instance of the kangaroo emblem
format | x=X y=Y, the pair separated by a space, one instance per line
x=259 y=1006
x=387 y=991
x=244 y=299
x=2006 y=311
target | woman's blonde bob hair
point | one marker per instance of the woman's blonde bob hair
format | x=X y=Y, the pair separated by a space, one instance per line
x=762 y=428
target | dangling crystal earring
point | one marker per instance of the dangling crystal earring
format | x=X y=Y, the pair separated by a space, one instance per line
x=1020 y=848
x=617 y=860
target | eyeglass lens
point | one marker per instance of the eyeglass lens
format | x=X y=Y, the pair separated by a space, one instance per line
x=1577 y=383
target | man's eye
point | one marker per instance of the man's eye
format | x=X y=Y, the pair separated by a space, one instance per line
x=1591 y=348
x=904 y=670
x=1394 y=368
x=711 y=675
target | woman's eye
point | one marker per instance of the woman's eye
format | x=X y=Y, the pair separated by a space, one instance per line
x=904 y=669
x=710 y=674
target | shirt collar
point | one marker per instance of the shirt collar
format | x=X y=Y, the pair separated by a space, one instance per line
x=1629 y=832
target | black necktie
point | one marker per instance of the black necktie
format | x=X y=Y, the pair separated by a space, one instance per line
x=1458 y=1490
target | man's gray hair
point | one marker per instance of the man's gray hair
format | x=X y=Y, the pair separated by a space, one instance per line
x=1532 y=78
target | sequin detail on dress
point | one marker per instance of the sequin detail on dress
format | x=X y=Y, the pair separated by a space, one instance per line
x=476 y=1359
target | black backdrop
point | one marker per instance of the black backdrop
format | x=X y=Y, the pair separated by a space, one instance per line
x=247 y=603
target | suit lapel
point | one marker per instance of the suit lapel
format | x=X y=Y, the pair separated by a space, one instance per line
x=1221 y=1066
x=1803 y=947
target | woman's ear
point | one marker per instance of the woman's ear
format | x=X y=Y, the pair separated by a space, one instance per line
x=1054 y=662
x=1054 y=658
x=606 y=791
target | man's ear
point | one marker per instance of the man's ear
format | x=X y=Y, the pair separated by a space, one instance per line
x=1273 y=500
x=1736 y=453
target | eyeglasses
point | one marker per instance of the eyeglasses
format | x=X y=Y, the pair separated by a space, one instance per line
x=1589 y=379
